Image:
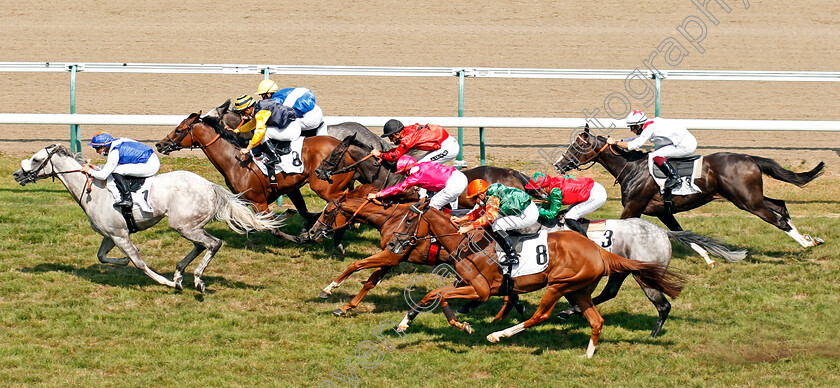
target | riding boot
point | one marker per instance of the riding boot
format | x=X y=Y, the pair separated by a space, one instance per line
x=673 y=180
x=271 y=159
x=576 y=226
x=125 y=193
x=504 y=241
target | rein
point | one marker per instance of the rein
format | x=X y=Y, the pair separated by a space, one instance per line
x=350 y=167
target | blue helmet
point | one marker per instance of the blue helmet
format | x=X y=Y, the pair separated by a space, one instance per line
x=101 y=139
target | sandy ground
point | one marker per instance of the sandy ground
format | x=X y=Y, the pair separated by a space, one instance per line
x=769 y=35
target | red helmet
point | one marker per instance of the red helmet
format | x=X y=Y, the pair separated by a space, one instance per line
x=476 y=187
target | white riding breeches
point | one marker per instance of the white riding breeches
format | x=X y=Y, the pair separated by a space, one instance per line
x=522 y=220
x=448 y=150
x=455 y=186
x=138 y=170
x=311 y=119
x=597 y=198
x=290 y=133
x=685 y=148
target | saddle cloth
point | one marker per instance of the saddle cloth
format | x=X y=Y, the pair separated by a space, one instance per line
x=140 y=196
x=533 y=256
x=688 y=169
x=601 y=232
x=290 y=163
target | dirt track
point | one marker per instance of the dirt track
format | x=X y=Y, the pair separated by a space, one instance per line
x=778 y=35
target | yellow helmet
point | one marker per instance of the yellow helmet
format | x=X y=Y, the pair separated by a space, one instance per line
x=267 y=86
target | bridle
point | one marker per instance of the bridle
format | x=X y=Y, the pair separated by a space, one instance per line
x=574 y=162
x=181 y=134
x=31 y=176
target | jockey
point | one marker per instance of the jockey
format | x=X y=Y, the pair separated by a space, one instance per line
x=447 y=181
x=582 y=195
x=432 y=138
x=671 y=140
x=126 y=157
x=302 y=100
x=505 y=208
x=272 y=121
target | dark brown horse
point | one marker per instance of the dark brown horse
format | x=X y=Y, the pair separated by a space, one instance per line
x=241 y=173
x=575 y=265
x=350 y=155
x=354 y=206
x=735 y=177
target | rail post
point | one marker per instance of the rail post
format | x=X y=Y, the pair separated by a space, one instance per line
x=75 y=141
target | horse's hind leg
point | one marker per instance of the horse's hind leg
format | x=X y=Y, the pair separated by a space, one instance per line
x=778 y=206
x=610 y=291
x=763 y=208
x=124 y=243
x=212 y=244
x=102 y=254
x=662 y=306
x=182 y=265
x=596 y=321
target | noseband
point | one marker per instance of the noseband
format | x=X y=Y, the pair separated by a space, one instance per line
x=176 y=143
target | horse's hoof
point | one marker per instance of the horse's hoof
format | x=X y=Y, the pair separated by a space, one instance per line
x=340 y=248
x=711 y=264
x=564 y=315
x=492 y=337
x=520 y=308
x=199 y=285
x=816 y=240
x=324 y=295
x=178 y=285
x=467 y=328
x=339 y=313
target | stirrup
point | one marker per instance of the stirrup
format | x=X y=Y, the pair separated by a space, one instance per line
x=511 y=259
x=123 y=203
x=671 y=183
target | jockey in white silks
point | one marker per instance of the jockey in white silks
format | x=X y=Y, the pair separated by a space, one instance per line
x=126 y=157
x=671 y=140
x=309 y=115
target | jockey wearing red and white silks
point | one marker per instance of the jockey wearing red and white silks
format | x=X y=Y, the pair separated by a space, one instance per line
x=671 y=139
x=430 y=137
x=447 y=181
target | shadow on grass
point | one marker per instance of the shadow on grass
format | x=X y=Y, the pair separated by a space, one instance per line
x=554 y=334
x=129 y=276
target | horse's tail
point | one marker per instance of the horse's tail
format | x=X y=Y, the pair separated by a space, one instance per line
x=652 y=275
x=771 y=168
x=713 y=246
x=237 y=213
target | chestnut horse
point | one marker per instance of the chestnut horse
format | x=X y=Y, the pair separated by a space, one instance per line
x=241 y=173
x=575 y=265
x=736 y=177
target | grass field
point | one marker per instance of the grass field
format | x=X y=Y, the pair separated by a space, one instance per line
x=771 y=320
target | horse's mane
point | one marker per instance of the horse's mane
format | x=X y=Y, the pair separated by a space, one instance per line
x=64 y=151
x=630 y=156
x=225 y=135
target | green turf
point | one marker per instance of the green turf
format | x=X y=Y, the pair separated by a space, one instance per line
x=68 y=320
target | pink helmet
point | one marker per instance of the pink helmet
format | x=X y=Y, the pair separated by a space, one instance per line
x=405 y=163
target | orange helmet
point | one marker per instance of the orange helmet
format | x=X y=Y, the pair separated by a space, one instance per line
x=476 y=187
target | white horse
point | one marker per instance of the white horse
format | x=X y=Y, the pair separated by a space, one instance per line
x=189 y=201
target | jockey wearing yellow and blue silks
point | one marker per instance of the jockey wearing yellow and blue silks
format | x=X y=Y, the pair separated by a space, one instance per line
x=273 y=121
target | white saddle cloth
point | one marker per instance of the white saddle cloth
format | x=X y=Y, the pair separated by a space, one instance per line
x=686 y=186
x=533 y=258
x=291 y=163
x=141 y=197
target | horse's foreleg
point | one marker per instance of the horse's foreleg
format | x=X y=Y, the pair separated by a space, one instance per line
x=381 y=259
x=374 y=279
x=552 y=295
x=105 y=247
x=297 y=199
x=124 y=243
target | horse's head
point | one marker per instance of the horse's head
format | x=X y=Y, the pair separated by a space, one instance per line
x=40 y=165
x=335 y=160
x=409 y=229
x=584 y=149
x=340 y=212
x=178 y=139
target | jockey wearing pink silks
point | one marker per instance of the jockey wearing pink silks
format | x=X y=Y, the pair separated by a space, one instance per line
x=446 y=181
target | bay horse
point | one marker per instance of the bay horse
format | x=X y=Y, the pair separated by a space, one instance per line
x=735 y=177
x=189 y=201
x=575 y=265
x=244 y=177
x=352 y=155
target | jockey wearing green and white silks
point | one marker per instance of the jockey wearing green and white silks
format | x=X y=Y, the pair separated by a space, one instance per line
x=126 y=157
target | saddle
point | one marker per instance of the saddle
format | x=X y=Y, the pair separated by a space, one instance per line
x=312 y=132
x=688 y=169
x=519 y=238
x=684 y=167
x=134 y=183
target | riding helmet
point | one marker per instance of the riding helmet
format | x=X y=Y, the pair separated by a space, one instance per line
x=391 y=127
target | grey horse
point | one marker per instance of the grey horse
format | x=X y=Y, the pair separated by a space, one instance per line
x=189 y=201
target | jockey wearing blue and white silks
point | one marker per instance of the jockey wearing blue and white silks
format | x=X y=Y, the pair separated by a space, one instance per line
x=126 y=157
x=301 y=100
